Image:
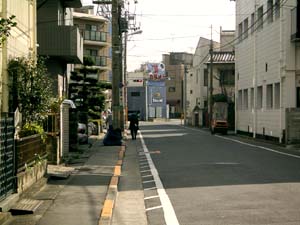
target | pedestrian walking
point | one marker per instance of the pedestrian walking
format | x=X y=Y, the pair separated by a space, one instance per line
x=133 y=126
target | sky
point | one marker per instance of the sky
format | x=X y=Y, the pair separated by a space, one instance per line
x=174 y=26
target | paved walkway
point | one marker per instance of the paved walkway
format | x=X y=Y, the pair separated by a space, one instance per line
x=80 y=198
x=130 y=206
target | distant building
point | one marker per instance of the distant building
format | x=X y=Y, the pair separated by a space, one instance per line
x=136 y=94
x=198 y=78
x=175 y=64
x=96 y=33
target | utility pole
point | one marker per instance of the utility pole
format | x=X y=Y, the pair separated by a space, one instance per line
x=211 y=80
x=185 y=94
x=116 y=64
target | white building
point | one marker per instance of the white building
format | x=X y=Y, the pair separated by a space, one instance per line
x=267 y=68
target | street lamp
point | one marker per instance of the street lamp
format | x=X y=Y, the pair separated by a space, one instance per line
x=125 y=73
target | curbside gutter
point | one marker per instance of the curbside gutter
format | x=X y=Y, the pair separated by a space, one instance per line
x=112 y=192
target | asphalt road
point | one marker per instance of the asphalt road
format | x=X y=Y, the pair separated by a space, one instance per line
x=210 y=180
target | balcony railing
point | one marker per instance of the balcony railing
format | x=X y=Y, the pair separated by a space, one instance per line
x=99 y=60
x=64 y=42
x=95 y=36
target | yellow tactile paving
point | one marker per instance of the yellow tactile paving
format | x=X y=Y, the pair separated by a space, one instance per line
x=121 y=154
x=117 y=171
x=107 y=208
x=120 y=162
x=114 y=181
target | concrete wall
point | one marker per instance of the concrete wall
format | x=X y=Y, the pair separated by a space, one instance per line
x=265 y=57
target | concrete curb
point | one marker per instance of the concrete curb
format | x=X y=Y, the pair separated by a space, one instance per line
x=106 y=213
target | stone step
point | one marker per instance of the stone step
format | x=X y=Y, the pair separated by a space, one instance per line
x=25 y=206
x=4 y=216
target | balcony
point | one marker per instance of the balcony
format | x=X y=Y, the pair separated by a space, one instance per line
x=99 y=60
x=63 y=42
x=95 y=38
x=295 y=35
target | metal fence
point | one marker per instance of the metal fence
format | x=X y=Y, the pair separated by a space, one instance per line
x=7 y=156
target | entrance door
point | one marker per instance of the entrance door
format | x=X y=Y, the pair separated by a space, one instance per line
x=298 y=97
x=197 y=119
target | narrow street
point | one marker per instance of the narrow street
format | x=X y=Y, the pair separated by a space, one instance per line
x=210 y=179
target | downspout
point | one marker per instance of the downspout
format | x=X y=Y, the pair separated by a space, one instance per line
x=3 y=89
x=281 y=76
x=255 y=80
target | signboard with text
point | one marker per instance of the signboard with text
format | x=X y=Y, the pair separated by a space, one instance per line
x=156 y=71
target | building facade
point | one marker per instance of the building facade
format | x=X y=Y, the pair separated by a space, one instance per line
x=59 y=40
x=175 y=64
x=21 y=43
x=267 y=67
x=96 y=34
x=198 y=78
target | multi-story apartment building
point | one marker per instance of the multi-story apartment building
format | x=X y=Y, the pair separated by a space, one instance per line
x=175 y=64
x=267 y=68
x=59 y=40
x=96 y=34
x=21 y=43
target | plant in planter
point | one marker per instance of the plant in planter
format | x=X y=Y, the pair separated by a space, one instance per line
x=31 y=92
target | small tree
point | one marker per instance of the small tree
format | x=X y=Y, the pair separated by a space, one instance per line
x=5 y=28
x=31 y=88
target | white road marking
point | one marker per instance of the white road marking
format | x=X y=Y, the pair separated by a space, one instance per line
x=142 y=167
x=147 y=176
x=145 y=171
x=149 y=189
x=169 y=213
x=148 y=181
x=151 y=197
x=257 y=146
x=152 y=208
x=251 y=145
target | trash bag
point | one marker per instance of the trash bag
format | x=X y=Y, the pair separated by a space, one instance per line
x=113 y=137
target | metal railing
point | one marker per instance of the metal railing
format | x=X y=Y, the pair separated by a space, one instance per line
x=95 y=36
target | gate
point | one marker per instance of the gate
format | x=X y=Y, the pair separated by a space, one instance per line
x=7 y=156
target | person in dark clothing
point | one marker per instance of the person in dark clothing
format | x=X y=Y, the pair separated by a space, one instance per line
x=133 y=126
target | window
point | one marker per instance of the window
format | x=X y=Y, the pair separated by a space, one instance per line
x=191 y=91
x=269 y=96
x=277 y=95
x=260 y=18
x=135 y=94
x=259 y=97
x=205 y=80
x=91 y=52
x=277 y=9
x=252 y=22
x=252 y=98
x=227 y=77
x=245 y=102
x=240 y=100
x=172 y=89
x=270 y=11
x=246 y=27
x=240 y=32
x=91 y=27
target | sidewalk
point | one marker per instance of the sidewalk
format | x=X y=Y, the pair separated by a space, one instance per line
x=89 y=195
